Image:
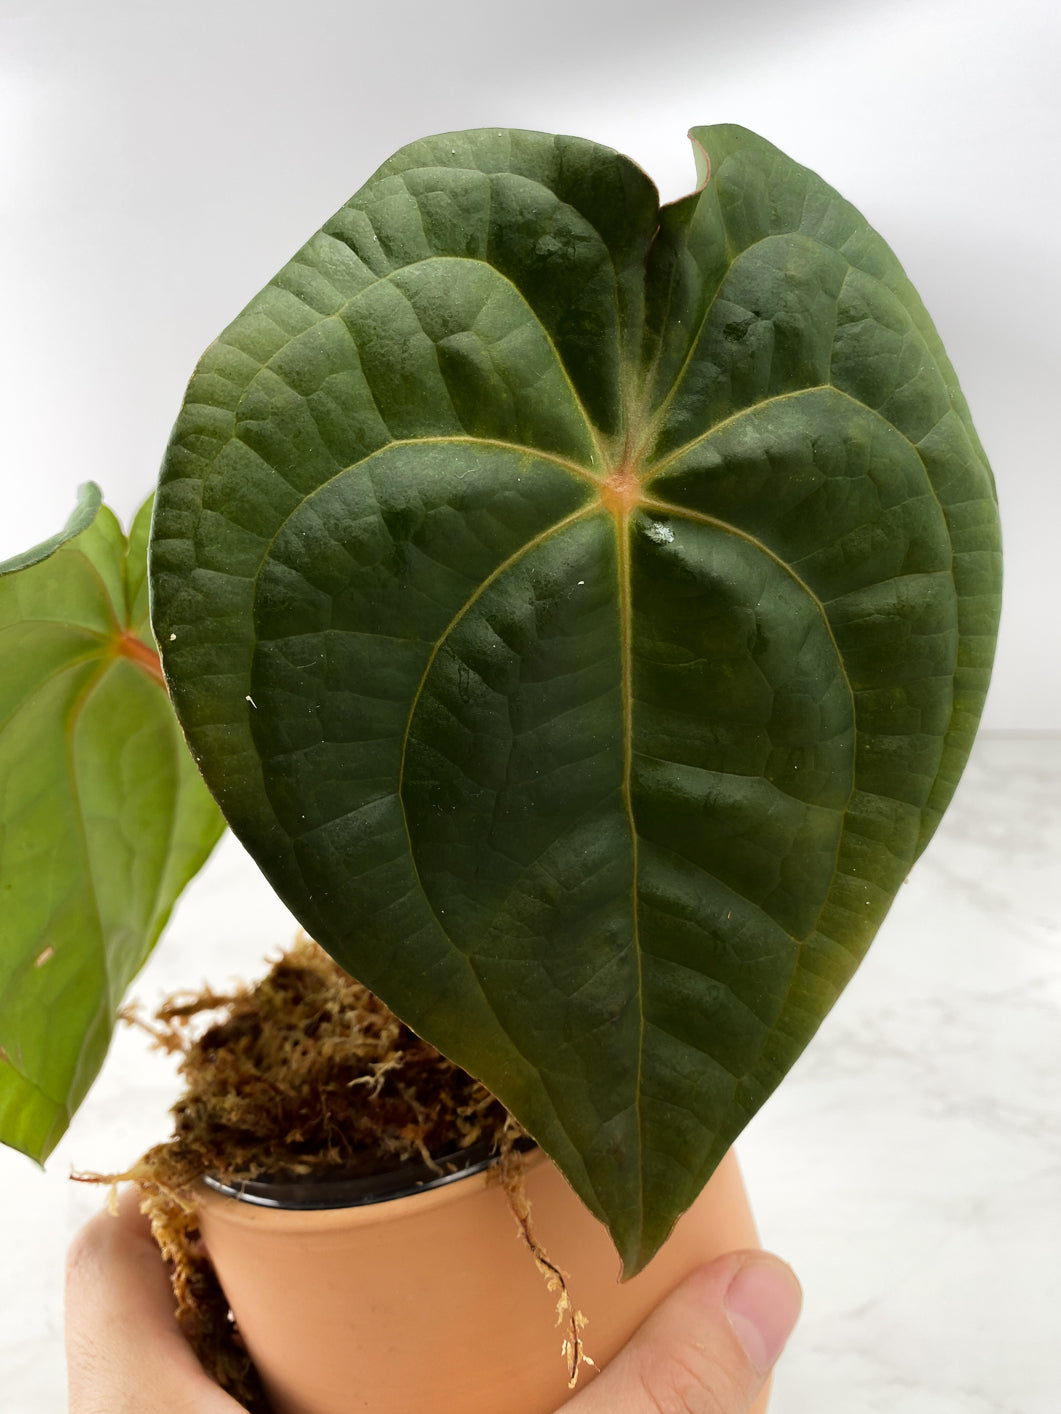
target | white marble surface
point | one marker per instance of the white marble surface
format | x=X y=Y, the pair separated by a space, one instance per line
x=909 y=1168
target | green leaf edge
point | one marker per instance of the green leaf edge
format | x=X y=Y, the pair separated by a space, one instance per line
x=89 y=502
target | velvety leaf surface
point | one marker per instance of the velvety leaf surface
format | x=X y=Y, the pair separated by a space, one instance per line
x=103 y=816
x=582 y=611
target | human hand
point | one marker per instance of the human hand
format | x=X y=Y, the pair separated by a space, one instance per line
x=707 y=1349
x=125 y=1353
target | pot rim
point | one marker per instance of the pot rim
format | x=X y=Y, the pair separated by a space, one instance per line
x=318 y=1195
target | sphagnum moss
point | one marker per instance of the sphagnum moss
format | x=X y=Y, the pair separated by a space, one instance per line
x=305 y=1076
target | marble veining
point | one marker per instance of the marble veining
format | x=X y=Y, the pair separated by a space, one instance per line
x=909 y=1167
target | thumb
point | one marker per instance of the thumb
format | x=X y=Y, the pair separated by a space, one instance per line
x=708 y=1349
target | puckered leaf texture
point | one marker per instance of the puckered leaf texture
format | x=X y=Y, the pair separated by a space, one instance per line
x=582 y=611
x=103 y=816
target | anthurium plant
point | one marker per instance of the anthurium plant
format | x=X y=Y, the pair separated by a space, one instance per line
x=103 y=816
x=582 y=611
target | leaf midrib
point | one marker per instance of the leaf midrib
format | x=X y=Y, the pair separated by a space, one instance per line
x=624 y=530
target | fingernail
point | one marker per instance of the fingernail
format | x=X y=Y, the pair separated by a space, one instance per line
x=763 y=1304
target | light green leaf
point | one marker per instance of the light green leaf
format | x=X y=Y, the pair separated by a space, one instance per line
x=103 y=815
x=89 y=499
x=583 y=611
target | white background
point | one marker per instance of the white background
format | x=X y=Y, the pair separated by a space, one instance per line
x=158 y=161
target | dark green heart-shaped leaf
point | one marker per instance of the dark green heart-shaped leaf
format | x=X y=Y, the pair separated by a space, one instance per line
x=583 y=611
x=103 y=816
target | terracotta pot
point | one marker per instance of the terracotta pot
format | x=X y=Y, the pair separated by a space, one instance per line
x=433 y=1302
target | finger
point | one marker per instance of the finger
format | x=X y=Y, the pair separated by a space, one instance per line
x=708 y=1349
x=125 y=1352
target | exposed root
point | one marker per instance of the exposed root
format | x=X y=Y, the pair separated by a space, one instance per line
x=569 y=1319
